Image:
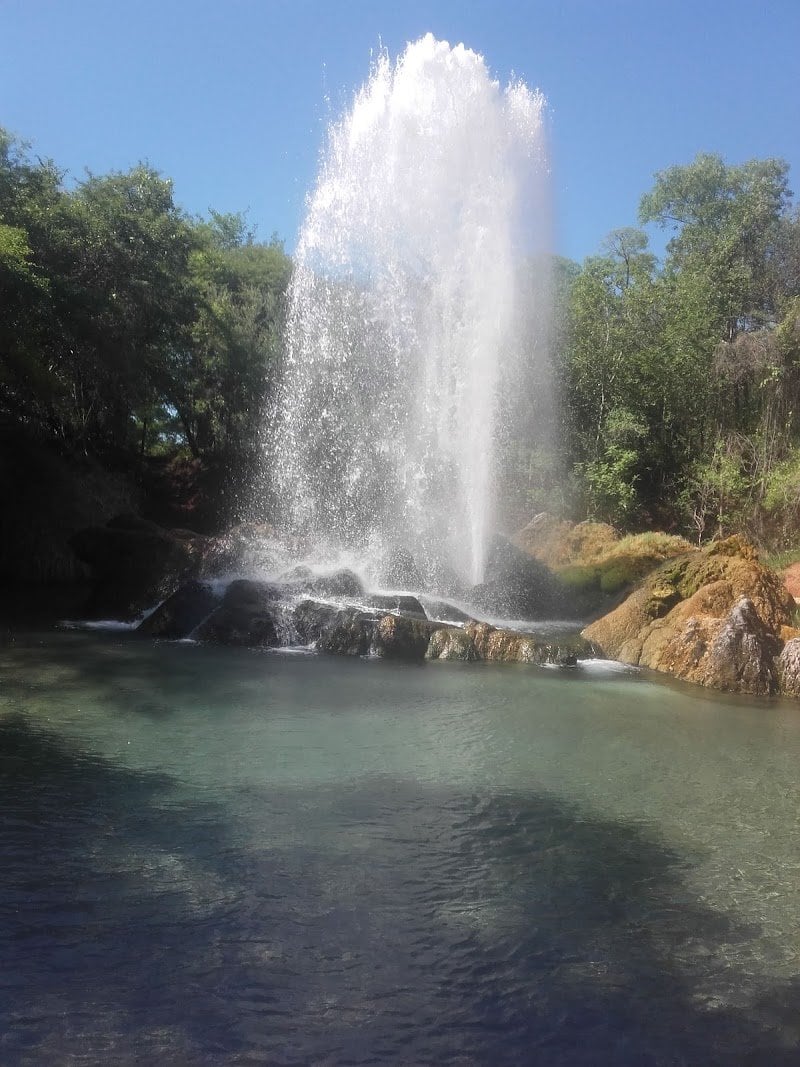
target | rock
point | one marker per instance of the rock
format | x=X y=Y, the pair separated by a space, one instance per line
x=788 y=668
x=246 y=616
x=481 y=641
x=593 y=561
x=562 y=657
x=504 y=646
x=741 y=656
x=442 y=580
x=297 y=576
x=342 y=583
x=310 y=620
x=558 y=542
x=451 y=643
x=247 y=594
x=403 y=638
x=791 y=579
x=735 y=653
x=348 y=633
x=518 y=586
x=245 y=549
x=400 y=571
x=181 y=613
x=712 y=616
x=302 y=580
x=135 y=564
x=444 y=611
x=400 y=604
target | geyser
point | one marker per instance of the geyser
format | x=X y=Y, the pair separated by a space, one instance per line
x=405 y=321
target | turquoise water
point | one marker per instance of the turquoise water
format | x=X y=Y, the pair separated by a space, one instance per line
x=227 y=856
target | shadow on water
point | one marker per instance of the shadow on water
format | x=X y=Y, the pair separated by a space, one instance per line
x=381 y=922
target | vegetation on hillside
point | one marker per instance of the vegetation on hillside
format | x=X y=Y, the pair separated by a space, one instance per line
x=139 y=336
x=681 y=380
x=130 y=330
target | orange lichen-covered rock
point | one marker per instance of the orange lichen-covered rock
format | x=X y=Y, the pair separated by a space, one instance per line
x=713 y=616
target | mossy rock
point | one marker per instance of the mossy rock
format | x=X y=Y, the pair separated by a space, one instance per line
x=616 y=577
x=593 y=561
x=661 y=599
x=580 y=577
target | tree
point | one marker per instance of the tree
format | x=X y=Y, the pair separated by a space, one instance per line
x=727 y=221
x=222 y=372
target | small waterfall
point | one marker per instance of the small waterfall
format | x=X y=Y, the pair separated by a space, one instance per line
x=405 y=319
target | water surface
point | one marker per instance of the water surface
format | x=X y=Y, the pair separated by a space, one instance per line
x=224 y=856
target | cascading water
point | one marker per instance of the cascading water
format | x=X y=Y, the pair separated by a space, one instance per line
x=404 y=318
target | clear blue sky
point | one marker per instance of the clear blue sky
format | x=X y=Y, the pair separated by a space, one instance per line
x=230 y=98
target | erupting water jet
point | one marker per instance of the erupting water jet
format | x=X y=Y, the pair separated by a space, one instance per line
x=405 y=319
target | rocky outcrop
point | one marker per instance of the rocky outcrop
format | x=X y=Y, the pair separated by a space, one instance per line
x=47 y=497
x=559 y=542
x=400 y=571
x=478 y=641
x=451 y=643
x=593 y=561
x=518 y=586
x=400 y=605
x=310 y=619
x=267 y=614
x=354 y=632
x=247 y=616
x=404 y=638
x=735 y=653
x=180 y=614
x=713 y=616
x=348 y=633
x=135 y=564
x=788 y=668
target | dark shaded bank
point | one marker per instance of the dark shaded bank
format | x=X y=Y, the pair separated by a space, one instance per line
x=48 y=494
x=25 y=607
x=139 y=926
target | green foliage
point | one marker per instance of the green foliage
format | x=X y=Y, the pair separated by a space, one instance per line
x=610 y=478
x=618 y=565
x=129 y=328
x=728 y=222
x=699 y=358
x=580 y=577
